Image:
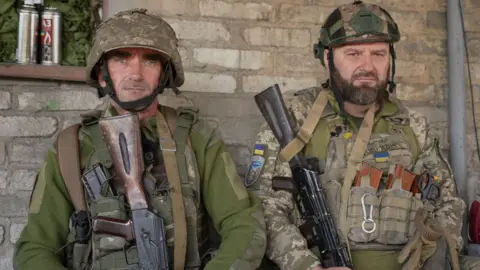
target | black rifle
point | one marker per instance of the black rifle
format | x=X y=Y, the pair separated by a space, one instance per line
x=305 y=186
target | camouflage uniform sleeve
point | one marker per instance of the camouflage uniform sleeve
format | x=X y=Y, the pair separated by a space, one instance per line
x=286 y=246
x=449 y=208
x=236 y=214
x=47 y=228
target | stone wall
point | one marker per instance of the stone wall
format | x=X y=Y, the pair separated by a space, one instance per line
x=231 y=50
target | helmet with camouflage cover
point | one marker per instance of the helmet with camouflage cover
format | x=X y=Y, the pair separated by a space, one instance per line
x=356 y=22
x=141 y=29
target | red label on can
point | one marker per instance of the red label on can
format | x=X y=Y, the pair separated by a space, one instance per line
x=47 y=32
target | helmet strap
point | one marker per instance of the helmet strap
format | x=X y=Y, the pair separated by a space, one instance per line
x=166 y=79
x=392 y=84
x=333 y=85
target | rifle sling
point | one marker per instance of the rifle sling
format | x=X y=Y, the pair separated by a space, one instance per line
x=306 y=130
x=169 y=149
x=69 y=165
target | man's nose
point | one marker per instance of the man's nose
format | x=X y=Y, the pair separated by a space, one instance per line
x=367 y=62
x=136 y=69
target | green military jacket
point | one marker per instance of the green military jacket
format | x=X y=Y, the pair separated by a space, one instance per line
x=236 y=216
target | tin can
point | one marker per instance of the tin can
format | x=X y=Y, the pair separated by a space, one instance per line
x=27 y=35
x=51 y=37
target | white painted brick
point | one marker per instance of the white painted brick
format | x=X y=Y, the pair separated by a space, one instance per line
x=253 y=60
x=163 y=7
x=258 y=83
x=172 y=7
x=415 y=92
x=277 y=37
x=218 y=57
x=304 y=14
x=23 y=179
x=3 y=179
x=30 y=152
x=410 y=21
x=294 y=62
x=2 y=152
x=58 y=100
x=475 y=70
x=206 y=82
x=411 y=71
x=24 y=126
x=184 y=56
x=15 y=231
x=253 y=11
x=5 y=100
x=256 y=60
x=209 y=31
x=6 y=262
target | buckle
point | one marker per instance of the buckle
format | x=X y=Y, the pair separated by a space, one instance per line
x=168 y=145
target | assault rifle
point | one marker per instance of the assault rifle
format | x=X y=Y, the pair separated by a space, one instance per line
x=122 y=136
x=305 y=186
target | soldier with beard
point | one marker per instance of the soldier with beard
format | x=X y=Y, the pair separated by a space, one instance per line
x=379 y=159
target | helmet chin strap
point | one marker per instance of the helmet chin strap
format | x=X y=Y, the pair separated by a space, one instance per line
x=392 y=84
x=142 y=103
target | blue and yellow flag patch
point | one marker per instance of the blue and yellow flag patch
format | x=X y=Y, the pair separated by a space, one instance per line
x=259 y=149
x=381 y=156
x=256 y=165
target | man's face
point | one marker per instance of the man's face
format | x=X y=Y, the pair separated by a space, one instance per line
x=361 y=71
x=135 y=72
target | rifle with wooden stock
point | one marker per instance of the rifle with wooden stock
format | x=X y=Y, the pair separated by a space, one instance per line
x=319 y=227
x=122 y=136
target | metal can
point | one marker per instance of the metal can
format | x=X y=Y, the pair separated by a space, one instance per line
x=27 y=35
x=51 y=37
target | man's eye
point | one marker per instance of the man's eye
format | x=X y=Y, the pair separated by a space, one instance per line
x=119 y=59
x=150 y=62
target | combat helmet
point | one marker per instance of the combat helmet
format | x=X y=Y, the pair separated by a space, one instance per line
x=354 y=23
x=141 y=29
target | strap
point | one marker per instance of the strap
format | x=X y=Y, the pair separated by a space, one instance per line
x=171 y=117
x=306 y=130
x=168 y=147
x=355 y=158
x=69 y=163
x=102 y=154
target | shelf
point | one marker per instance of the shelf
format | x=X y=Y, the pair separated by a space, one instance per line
x=32 y=71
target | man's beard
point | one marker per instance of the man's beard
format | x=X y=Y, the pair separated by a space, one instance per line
x=363 y=94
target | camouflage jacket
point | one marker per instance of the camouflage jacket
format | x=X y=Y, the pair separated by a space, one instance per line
x=285 y=244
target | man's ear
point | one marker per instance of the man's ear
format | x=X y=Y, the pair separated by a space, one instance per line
x=325 y=58
x=100 y=79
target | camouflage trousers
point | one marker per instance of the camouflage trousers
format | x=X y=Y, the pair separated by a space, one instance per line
x=469 y=262
x=466 y=263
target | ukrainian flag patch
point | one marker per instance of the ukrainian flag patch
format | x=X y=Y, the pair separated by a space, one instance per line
x=259 y=149
x=381 y=157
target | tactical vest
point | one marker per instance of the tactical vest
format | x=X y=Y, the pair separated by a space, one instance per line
x=104 y=251
x=380 y=214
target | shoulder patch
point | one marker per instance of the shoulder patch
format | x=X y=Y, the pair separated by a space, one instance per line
x=256 y=165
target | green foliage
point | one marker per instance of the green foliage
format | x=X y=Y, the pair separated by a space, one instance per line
x=77 y=29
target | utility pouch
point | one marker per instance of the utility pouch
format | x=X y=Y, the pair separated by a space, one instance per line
x=395 y=207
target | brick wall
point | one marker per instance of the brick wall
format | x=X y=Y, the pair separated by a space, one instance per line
x=231 y=50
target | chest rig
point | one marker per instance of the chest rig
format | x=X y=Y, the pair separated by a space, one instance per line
x=100 y=250
x=376 y=208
